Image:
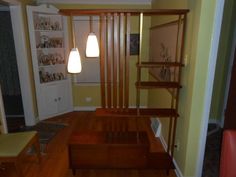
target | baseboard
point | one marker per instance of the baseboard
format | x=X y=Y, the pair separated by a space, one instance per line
x=85 y=108
x=14 y=116
x=93 y=108
x=177 y=169
x=213 y=121
x=156 y=126
x=216 y=121
x=163 y=142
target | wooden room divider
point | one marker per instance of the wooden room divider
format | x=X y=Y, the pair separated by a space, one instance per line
x=115 y=29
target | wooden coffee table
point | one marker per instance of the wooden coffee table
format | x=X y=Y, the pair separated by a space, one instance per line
x=94 y=149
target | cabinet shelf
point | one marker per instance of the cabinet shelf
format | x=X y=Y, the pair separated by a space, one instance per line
x=48 y=31
x=59 y=48
x=51 y=49
x=156 y=84
x=55 y=82
x=51 y=66
x=133 y=112
x=158 y=64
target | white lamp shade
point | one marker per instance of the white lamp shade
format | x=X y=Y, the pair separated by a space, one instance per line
x=92 y=49
x=74 y=62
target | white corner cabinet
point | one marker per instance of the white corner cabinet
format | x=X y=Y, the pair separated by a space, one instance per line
x=49 y=50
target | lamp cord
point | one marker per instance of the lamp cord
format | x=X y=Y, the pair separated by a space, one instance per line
x=91 y=24
x=73 y=32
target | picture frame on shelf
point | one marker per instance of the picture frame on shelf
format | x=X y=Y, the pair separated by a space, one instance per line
x=134 y=44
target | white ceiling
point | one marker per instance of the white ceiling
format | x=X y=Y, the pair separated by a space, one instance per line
x=147 y=2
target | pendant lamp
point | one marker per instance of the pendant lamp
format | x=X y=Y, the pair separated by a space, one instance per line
x=92 y=48
x=74 y=61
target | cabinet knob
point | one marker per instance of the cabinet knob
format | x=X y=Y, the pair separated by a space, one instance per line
x=59 y=98
x=55 y=100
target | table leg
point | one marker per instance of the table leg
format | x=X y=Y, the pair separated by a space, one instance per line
x=18 y=169
x=37 y=148
x=74 y=171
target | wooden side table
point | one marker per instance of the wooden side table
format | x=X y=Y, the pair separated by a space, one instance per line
x=14 y=145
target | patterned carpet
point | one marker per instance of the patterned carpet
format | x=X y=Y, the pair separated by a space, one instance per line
x=212 y=152
x=46 y=130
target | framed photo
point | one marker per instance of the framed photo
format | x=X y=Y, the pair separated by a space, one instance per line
x=134 y=44
x=165 y=45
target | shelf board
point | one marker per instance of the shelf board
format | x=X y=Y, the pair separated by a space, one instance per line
x=50 y=48
x=75 y=12
x=156 y=84
x=133 y=112
x=158 y=64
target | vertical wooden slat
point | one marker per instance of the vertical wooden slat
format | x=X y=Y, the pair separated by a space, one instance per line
x=171 y=137
x=177 y=49
x=127 y=60
x=115 y=58
x=102 y=58
x=121 y=60
x=139 y=61
x=140 y=37
x=109 y=59
x=179 y=77
x=183 y=38
x=170 y=134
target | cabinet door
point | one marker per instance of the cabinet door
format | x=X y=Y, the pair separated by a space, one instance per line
x=64 y=103
x=50 y=100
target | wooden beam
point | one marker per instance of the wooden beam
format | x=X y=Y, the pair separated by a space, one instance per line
x=115 y=58
x=102 y=58
x=75 y=12
x=109 y=59
x=127 y=60
x=121 y=60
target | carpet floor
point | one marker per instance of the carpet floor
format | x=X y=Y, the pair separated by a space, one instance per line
x=212 y=152
x=46 y=131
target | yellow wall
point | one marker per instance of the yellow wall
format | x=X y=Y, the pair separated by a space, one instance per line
x=194 y=75
x=80 y=92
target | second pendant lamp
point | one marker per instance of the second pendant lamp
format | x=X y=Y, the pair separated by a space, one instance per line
x=74 y=61
x=92 y=48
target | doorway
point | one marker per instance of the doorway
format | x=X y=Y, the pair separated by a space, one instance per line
x=9 y=77
x=227 y=102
